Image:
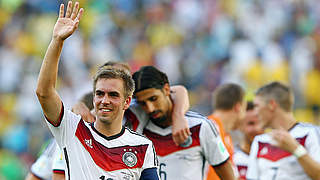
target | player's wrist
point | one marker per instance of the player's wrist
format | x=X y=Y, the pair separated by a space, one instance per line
x=299 y=151
x=57 y=39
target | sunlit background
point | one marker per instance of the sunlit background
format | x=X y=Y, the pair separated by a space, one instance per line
x=198 y=43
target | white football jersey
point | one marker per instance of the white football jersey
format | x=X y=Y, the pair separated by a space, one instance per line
x=91 y=155
x=130 y=120
x=268 y=162
x=42 y=168
x=58 y=164
x=241 y=160
x=135 y=118
x=204 y=145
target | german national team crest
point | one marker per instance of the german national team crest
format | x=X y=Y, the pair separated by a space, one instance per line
x=187 y=142
x=129 y=158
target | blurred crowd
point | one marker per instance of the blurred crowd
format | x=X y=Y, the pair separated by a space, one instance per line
x=199 y=43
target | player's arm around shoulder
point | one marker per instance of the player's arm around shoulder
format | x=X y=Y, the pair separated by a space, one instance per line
x=46 y=92
x=180 y=128
x=214 y=150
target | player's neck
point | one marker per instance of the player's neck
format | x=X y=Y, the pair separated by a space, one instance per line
x=226 y=118
x=284 y=121
x=245 y=145
x=108 y=129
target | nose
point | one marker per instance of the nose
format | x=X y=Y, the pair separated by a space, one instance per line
x=149 y=107
x=105 y=100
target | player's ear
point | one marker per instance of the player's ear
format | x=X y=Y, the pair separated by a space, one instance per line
x=237 y=107
x=272 y=105
x=166 y=89
x=127 y=102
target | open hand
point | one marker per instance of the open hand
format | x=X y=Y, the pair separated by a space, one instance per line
x=67 y=24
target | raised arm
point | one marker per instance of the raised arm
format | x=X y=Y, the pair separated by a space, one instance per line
x=46 y=92
x=180 y=128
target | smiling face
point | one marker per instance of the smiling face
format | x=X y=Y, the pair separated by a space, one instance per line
x=157 y=104
x=109 y=100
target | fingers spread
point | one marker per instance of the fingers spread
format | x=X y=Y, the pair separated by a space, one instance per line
x=69 y=8
x=61 y=12
x=75 y=10
x=79 y=14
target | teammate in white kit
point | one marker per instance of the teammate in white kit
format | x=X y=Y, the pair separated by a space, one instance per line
x=55 y=164
x=42 y=168
x=104 y=149
x=50 y=164
x=205 y=145
x=250 y=127
x=292 y=149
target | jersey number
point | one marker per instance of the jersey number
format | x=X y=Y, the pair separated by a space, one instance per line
x=102 y=177
x=163 y=174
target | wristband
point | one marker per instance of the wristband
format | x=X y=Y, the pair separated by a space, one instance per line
x=300 y=151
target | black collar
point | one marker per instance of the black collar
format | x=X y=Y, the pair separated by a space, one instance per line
x=294 y=125
x=108 y=137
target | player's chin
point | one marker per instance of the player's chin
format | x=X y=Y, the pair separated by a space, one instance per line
x=105 y=119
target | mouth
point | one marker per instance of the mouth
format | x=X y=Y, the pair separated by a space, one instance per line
x=105 y=110
x=155 y=115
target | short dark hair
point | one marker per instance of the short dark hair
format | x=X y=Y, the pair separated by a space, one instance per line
x=115 y=64
x=279 y=92
x=87 y=99
x=250 y=106
x=149 y=77
x=115 y=73
x=226 y=96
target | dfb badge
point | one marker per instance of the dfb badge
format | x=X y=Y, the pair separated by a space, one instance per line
x=187 y=142
x=129 y=158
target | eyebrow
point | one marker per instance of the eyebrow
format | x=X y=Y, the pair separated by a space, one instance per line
x=97 y=90
x=140 y=102
x=114 y=92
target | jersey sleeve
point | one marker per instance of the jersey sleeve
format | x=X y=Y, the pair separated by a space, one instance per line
x=58 y=164
x=150 y=174
x=252 y=172
x=42 y=167
x=212 y=145
x=135 y=118
x=67 y=127
x=150 y=159
x=313 y=144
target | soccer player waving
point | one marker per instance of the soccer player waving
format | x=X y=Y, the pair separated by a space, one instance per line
x=103 y=150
